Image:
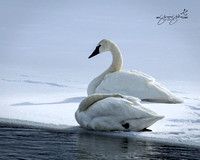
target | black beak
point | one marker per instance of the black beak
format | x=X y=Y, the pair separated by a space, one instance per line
x=96 y=51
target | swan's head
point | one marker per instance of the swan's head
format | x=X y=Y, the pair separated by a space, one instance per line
x=103 y=46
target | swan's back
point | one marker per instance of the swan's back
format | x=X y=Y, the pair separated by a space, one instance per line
x=136 y=84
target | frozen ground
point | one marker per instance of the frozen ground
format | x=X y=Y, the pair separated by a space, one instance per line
x=44 y=70
x=53 y=104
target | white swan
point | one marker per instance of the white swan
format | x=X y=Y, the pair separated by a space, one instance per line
x=114 y=112
x=132 y=83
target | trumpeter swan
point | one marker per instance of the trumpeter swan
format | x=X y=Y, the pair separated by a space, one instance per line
x=114 y=112
x=132 y=83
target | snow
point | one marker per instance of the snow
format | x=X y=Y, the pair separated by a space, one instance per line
x=44 y=70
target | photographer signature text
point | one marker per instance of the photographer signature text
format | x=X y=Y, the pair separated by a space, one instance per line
x=172 y=19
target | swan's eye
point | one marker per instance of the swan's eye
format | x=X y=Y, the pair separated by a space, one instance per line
x=98 y=47
x=126 y=125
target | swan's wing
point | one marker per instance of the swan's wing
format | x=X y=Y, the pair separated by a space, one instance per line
x=145 y=76
x=136 y=84
x=132 y=83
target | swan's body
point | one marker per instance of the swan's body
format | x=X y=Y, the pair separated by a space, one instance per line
x=132 y=83
x=114 y=112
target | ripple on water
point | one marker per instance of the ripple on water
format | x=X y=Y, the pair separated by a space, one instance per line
x=22 y=143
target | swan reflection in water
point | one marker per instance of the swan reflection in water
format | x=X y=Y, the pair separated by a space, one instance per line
x=94 y=146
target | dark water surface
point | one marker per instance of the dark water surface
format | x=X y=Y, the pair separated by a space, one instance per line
x=24 y=143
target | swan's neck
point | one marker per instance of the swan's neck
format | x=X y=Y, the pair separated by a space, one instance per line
x=115 y=66
x=116 y=59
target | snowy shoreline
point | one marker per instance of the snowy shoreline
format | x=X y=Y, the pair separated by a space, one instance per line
x=53 y=106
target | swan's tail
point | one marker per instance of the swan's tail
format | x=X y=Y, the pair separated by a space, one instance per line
x=164 y=96
x=171 y=100
x=175 y=100
x=140 y=124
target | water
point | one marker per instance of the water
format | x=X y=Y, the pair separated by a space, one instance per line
x=26 y=144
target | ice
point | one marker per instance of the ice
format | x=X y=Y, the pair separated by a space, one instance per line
x=44 y=69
